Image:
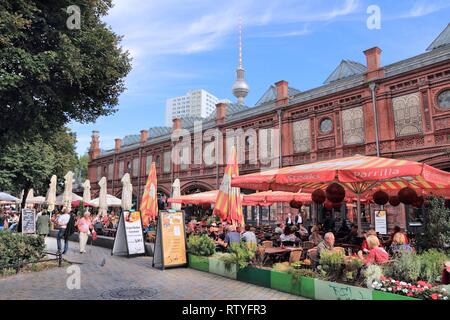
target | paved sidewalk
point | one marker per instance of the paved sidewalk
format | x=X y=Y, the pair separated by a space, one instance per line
x=110 y=277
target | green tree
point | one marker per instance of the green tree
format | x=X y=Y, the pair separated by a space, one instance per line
x=82 y=167
x=50 y=74
x=25 y=165
x=30 y=163
x=436 y=226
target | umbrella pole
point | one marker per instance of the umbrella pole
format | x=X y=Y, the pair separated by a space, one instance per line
x=358 y=208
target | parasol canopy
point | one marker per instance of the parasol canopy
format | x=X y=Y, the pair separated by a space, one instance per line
x=196 y=198
x=149 y=203
x=102 y=199
x=358 y=174
x=7 y=198
x=68 y=184
x=228 y=204
x=127 y=192
x=73 y=197
x=51 y=194
x=111 y=201
x=176 y=193
x=277 y=196
x=36 y=200
x=87 y=191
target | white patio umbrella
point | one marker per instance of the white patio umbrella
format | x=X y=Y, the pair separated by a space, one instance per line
x=6 y=197
x=36 y=200
x=176 y=193
x=127 y=192
x=67 y=195
x=51 y=194
x=87 y=191
x=111 y=201
x=102 y=204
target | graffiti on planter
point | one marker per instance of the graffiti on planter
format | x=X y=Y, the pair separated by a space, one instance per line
x=346 y=293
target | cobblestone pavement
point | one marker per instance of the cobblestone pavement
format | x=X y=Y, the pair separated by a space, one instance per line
x=110 y=277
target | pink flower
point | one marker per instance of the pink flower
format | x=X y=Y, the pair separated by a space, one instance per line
x=434 y=296
x=409 y=294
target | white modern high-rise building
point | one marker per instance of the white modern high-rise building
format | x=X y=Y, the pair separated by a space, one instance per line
x=196 y=103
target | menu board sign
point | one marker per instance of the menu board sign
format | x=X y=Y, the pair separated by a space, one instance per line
x=129 y=238
x=170 y=247
x=380 y=221
x=28 y=221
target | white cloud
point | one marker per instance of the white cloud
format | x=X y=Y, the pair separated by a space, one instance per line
x=160 y=27
x=422 y=8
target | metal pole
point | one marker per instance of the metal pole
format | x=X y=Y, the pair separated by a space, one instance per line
x=372 y=87
x=280 y=148
x=358 y=207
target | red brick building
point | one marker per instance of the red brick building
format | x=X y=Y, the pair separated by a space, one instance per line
x=408 y=100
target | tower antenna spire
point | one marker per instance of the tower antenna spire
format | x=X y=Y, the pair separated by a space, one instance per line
x=240 y=87
x=240 y=41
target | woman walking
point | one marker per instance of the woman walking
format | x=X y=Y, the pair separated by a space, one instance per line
x=43 y=223
x=84 y=228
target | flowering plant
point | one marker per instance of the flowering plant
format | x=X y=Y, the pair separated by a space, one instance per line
x=420 y=289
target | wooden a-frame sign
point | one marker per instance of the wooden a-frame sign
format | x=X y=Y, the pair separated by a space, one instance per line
x=170 y=245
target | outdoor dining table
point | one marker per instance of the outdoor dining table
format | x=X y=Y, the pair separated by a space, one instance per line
x=278 y=250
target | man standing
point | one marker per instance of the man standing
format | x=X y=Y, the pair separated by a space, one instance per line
x=298 y=219
x=289 y=221
x=61 y=223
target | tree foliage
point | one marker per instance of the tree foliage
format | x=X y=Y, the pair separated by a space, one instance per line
x=436 y=227
x=30 y=163
x=49 y=74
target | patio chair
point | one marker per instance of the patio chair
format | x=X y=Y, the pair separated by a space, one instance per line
x=267 y=244
x=295 y=256
x=306 y=246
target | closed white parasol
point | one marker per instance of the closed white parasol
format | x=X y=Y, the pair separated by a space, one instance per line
x=127 y=192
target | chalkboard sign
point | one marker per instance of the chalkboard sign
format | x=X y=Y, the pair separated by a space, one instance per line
x=28 y=221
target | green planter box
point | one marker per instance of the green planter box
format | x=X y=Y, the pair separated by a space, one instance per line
x=260 y=277
x=380 y=295
x=217 y=266
x=198 y=262
x=281 y=281
x=326 y=290
x=304 y=287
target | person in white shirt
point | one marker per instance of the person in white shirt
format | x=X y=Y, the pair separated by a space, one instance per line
x=61 y=223
x=289 y=221
x=249 y=237
x=298 y=219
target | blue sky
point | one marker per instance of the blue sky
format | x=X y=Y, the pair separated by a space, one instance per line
x=179 y=45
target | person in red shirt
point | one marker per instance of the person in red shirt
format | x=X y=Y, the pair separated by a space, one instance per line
x=376 y=255
x=364 y=246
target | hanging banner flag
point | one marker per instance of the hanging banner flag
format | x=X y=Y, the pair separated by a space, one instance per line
x=170 y=246
x=149 y=202
x=129 y=239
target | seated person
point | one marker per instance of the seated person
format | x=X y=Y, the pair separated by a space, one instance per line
x=398 y=244
x=232 y=236
x=364 y=246
x=445 y=279
x=327 y=244
x=396 y=230
x=352 y=237
x=376 y=254
x=249 y=236
x=303 y=231
x=344 y=229
x=288 y=235
x=315 y=236
x=279 y=229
